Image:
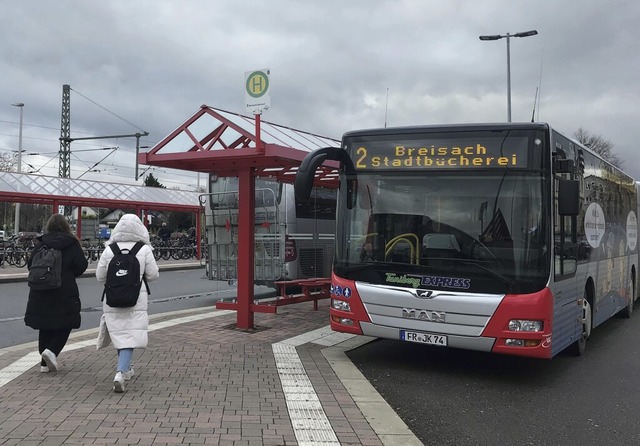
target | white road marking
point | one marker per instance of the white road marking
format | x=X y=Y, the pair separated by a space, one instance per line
x=310 y=423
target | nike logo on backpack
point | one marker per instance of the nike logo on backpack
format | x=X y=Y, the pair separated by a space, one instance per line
x=122 y=272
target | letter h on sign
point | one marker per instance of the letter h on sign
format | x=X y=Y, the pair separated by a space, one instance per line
x=257 y=83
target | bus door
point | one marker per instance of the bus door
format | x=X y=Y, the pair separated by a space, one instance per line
x=572 y=306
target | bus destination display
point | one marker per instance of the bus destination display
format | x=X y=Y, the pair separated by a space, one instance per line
x=458 y=155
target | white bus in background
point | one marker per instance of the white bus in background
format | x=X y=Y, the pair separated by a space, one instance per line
x=293 y=240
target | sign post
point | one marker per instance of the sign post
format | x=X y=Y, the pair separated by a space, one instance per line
x=257 y=97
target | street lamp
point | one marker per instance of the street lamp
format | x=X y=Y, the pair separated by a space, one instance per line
x=508 y=36
x=16 y=226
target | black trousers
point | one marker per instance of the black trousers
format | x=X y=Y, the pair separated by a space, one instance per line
x=53 y=340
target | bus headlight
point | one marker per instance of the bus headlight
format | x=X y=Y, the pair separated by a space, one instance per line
x=340 y=305
x=525 y=325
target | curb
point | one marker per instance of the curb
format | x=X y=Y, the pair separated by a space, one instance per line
x=22 y=276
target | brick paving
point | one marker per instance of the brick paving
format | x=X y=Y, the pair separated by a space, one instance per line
x=198 y=382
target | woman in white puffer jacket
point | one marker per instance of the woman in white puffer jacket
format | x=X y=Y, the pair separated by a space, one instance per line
x=126 y=328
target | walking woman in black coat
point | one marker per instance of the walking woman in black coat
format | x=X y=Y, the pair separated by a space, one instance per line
x=56 y=312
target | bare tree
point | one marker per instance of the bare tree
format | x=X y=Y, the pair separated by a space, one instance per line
x=7 y=161
x=598 y=144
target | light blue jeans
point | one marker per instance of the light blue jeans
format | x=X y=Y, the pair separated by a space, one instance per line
x=124 y=359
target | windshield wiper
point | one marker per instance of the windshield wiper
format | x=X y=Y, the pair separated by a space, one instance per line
x=477 y=263
x=490 y=271
x=349 y=267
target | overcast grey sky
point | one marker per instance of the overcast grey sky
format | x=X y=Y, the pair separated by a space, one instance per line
x=148 y=65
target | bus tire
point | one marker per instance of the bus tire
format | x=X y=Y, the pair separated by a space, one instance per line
x=578 y=348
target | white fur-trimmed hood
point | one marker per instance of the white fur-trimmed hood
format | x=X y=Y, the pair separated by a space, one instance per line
x=129 y=229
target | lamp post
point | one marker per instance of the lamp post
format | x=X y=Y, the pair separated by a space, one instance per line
x=508 y=36
x=16 y=226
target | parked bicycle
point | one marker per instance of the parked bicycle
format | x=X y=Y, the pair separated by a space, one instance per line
x=13 y=256
x=178 y=247
x=161 y=249
x=92 y=249
x=16 y=251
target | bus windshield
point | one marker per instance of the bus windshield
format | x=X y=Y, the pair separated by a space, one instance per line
x=480 y=233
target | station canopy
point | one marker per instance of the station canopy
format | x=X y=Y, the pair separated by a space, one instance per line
x=40 y=189
x=224 y=143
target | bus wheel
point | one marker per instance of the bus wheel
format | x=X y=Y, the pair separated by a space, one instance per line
x=580 y=345
x=628 y=310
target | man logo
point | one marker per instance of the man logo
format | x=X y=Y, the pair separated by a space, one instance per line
x=424 y=315
x=424 y=294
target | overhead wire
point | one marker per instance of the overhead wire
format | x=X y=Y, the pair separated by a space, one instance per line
x=108 y=111
x=114 y=166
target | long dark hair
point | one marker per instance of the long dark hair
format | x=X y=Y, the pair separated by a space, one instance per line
x=58 y=223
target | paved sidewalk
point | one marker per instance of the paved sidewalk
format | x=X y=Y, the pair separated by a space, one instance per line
x=202 y=381
x=15 y=274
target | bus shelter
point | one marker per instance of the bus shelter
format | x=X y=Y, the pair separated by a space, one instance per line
x=223 y=143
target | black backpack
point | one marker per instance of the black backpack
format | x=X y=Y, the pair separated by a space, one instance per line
x=123 y=283
x=45 y=272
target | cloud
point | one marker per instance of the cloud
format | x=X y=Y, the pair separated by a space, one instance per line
x=150 y=65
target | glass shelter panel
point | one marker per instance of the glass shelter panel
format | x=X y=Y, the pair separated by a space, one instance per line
x=222 y=229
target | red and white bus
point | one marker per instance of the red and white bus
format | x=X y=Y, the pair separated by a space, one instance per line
x=506 y=238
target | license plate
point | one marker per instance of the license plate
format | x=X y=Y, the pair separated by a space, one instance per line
x=423 y=338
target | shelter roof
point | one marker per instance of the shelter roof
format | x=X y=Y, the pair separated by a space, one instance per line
x=221 y=142
x=41 y=189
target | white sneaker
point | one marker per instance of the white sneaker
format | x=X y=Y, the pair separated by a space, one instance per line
x=50 y=359
x=128 y=374
x=118 y=383
x=44 y=369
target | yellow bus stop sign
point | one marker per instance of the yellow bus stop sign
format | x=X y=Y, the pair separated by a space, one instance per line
x=257 y=95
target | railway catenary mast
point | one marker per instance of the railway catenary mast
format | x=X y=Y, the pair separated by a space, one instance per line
x=64 y=169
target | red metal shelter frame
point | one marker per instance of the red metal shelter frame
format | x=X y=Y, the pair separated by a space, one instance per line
x=247 y=156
